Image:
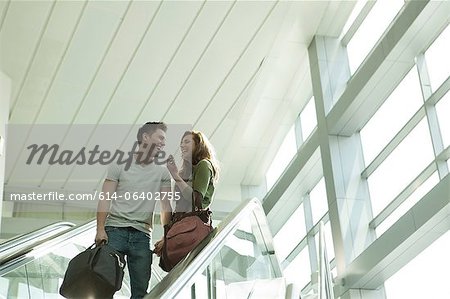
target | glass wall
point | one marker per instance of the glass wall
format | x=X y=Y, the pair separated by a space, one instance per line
x=371 y=29
x=318 y=198
x=438 y=60
x=284 y=155
x=404 y=141
x=425 y=276
x=411 y=156
x=442 y=110
x=308 y=119
x=299 y=270
x=284 y=243
x=395 y=112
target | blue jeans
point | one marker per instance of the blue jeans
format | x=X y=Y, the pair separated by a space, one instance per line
x=136 y=246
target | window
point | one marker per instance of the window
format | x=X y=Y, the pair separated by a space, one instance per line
x=370 y=31
x=408 y=203
x=318 y=199
x=442 y=110
x=283 y=241
x=401 y=167
x=284 y=155
x=395 y=112
x=328 y=242
x=359 y=5
x=308 y=119
x=438 y=60
x=426 y=276
x=299 y=270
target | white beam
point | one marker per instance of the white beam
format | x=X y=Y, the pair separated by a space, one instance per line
x=426 y=221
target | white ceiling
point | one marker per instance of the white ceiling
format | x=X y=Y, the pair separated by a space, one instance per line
x=238 y=71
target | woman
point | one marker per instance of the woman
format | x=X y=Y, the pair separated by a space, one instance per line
x=197 y=177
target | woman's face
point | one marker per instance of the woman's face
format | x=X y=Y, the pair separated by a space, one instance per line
x=187 y=147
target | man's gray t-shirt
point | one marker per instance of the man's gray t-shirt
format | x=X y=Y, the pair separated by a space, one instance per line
x=137 y=192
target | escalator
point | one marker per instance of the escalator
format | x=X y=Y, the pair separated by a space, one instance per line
x=237 y=260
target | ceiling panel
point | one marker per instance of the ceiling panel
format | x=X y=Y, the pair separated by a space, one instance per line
x=86 y=49
x=162 y=42
x=4 y=5
x=244 y=73
x=235 y=37
x=120 y=55
x=202 y=35
x=22 y=28
x=50 y=52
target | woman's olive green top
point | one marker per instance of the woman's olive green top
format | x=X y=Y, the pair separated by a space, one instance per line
x=202 y=181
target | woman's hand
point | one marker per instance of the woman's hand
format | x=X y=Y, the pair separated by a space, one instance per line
x=172 y=167
x=158 y=247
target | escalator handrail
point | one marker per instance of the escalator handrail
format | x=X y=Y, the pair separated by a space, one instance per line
x=15 y=257
x=15 y=241
x=32 y=238
x=203 y=254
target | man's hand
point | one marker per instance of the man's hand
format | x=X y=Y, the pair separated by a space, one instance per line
x=109 y=187
x=158 y=247
x=101 y=237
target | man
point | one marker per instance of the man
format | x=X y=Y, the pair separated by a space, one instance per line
x=125 y=216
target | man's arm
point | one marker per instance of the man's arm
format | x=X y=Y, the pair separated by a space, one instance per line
x=165 y=217
x=109 y=187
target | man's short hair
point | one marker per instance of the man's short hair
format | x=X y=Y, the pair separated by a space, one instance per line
x=150 y=128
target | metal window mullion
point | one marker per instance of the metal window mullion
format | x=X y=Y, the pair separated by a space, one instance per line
x=404 y=194
x=445 y=155
x=439 y=93
x=303 y=242
x=357 y=22
x=392 y=145
x=211 y=282
x=193 y=291
x=298 y=132
x=294 y=253
x=432 y=119
x=310 y=233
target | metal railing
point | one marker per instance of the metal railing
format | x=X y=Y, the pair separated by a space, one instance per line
x=26 y=248
x=16 y=245
x=198 y=260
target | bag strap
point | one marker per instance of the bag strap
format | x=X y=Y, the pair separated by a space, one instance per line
x=194 y=207
x=94 y=256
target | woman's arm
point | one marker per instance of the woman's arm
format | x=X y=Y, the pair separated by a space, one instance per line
x=186 y=190
x=200 y=182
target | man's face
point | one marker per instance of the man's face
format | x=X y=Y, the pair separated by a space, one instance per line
x=155 y=141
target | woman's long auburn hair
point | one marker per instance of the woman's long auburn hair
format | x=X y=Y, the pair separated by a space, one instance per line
x=203 y=150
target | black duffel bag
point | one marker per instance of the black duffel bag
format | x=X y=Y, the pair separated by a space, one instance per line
x=96 y=272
